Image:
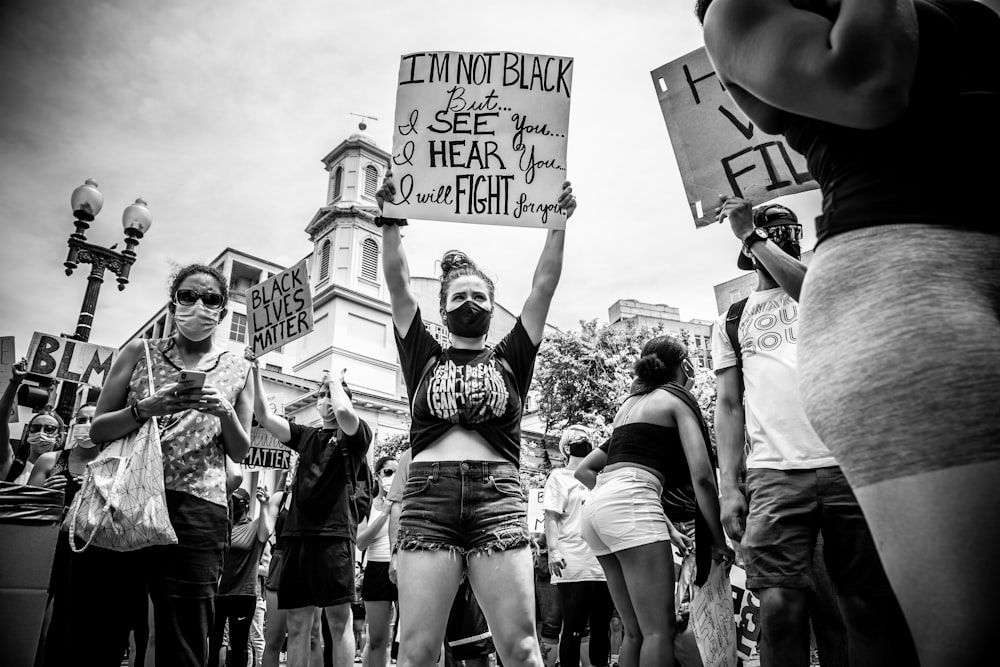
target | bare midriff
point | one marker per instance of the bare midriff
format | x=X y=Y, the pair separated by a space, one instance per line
x=459 y=444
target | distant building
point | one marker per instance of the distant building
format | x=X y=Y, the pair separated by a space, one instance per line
x=353 y=327
x=629 y=311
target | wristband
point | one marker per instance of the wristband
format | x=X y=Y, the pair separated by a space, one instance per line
x=134 y=409
x=399 y=222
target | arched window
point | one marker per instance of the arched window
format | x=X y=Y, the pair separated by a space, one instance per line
x=369 y=260
x=324 y=261
x=371 y=181
x=338 y=182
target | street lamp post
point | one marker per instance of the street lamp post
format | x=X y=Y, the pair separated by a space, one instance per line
x=87 y=202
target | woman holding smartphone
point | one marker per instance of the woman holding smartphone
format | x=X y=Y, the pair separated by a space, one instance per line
x=199 y=427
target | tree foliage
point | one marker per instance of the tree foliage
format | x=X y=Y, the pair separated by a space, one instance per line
x=582 y=377
x=392 y=445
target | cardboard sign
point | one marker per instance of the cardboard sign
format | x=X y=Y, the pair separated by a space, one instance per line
x=719 y=151
x=712 y=619
x=536 y=511
x=266 y=452
x=7 y=361
x=280 y=309
x=70 y=359
x=481 y=137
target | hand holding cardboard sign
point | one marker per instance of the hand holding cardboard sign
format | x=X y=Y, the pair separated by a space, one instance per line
x=740 y=214
x=567 y=201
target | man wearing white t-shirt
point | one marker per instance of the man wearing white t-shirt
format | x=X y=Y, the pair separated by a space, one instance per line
x=575 y=570
x=794 y=488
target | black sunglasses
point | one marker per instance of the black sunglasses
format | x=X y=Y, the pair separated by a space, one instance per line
x=387 y=472
x=188 y=297
x=51 y=429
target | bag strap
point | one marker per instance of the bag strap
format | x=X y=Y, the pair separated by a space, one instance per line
x=733 y=317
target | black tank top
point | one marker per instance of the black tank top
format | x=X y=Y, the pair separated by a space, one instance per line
x=934 y=164
x=72 y=482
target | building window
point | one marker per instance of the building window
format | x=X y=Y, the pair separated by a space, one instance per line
x=369 y=260
x=272 y=367
x=338 y=182
x=371 y=181
x=238 y=329
x=324 y=261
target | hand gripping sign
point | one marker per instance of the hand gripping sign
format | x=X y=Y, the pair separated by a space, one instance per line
x=719 y=151
x=481 y=137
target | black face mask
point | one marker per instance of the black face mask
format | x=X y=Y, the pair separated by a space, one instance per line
x=580 y=449
x=469 y=320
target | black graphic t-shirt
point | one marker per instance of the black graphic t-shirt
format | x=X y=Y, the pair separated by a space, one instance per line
x=321 y=503
x=481 y=390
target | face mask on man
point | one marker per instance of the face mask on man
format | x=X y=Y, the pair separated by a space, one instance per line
x=196 y=321
x=325 y=408
x=80 y=436
x=470 y=320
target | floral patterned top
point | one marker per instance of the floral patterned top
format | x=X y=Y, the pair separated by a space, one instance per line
x=194 y=460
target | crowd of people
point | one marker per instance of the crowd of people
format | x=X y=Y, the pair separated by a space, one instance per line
x=856 y=441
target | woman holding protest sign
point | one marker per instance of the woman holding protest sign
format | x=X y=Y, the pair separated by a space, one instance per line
x=892 y=102
x=201 y=423
x=463 y=502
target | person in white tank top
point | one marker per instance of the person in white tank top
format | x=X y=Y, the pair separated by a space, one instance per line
x=377 y=591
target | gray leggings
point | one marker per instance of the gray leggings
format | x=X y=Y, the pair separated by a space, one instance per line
x=899 y=357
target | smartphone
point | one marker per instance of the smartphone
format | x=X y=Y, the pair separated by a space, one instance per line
x=192 y=379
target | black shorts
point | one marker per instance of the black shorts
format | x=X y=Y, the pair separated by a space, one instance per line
x=376 y=586
x=274 y=570
x=316 y=572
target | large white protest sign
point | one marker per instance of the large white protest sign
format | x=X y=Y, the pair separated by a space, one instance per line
x=719 y=151
x=280 y=309
x=481 y=137
x=70 y=359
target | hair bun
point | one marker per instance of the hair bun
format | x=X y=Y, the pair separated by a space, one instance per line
x=649 y=368
x=455 y=259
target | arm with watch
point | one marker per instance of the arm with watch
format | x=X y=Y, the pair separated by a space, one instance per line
x=787 y=271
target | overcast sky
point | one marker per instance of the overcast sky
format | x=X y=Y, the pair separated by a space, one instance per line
x=218 y=114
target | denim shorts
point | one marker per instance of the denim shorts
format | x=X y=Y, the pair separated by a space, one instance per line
x=787 y=509
x=464 y=507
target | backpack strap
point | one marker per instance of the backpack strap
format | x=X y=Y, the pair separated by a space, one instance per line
x=733 y=317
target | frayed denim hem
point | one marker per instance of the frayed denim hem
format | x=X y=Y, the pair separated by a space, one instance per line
x=504 y=538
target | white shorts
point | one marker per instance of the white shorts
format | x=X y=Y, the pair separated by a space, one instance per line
x=624 y=511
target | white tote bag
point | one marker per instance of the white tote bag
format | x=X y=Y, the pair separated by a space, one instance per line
x=121 y=503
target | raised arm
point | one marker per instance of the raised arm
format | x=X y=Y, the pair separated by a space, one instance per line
x=274 y=424
x=347 y=417
x=787 y=271
x=547 y=273
x=268 y=514
x=6 y=403
x=852 y=67
x=394 y=266
x=729 y=428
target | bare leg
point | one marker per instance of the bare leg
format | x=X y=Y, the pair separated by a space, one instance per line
x=504 y=584
x=784 y=627
x=428 y=581
x=300 y=627
x=338 y=617
x=933 y=533
x=649 y=577
x=631 y=643
x=379 y=615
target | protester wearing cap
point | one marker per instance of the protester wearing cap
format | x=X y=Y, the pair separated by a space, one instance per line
x=794 y=485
